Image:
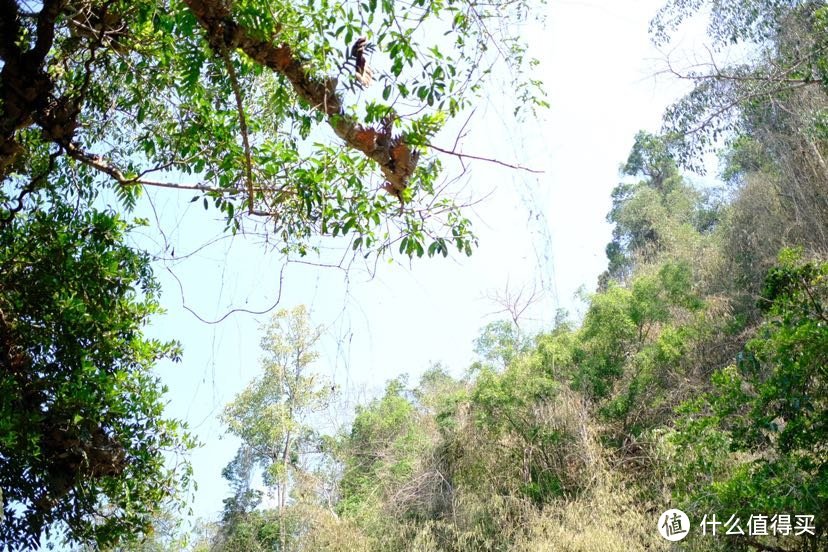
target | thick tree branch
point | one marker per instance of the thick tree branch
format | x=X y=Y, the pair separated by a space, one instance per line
x=25 y=88
x=397 y=160
x=9 y=29
x=100 y=164
x=45 y=30
x=248 y=163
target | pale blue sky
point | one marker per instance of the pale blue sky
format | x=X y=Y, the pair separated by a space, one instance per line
x=549 y=230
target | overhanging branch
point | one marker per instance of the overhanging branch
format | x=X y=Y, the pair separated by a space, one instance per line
x=102 y=165
x=397 y=160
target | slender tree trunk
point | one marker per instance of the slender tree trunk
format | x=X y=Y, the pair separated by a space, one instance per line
x=283 y=491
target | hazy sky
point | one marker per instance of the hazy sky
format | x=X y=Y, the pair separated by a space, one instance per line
x=546 y=231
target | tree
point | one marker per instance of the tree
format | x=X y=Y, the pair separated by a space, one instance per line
x=766 y=116
x=252 y=106
x=787 y=43
x=783 y=81
x=239 y=473
x=757 y=441
x=82 y=432
x=660 y=214
x=500 y=342
x=273 y=414
x=380 y=448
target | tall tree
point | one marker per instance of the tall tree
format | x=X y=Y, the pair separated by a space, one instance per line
x=766 y=115
x=273 y=414
x=661 y=213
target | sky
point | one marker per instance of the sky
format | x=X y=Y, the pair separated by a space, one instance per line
x=544 y=232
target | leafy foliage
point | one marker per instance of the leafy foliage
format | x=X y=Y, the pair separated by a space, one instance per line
x=254 y=107
x=81 y=414
x=272 y=416
x=660 y=214
x=773 y=399
x=696 y=377
x=671 y=391
x=500 y=343
x=382 y=451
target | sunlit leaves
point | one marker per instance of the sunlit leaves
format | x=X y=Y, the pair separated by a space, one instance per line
x=765 y=413
x=272 y=414
x=156 y=102
x=82 y=412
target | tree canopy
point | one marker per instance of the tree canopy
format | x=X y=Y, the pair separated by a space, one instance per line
x=254 y=106
x=82 y=437
x=316 y=119
x=695 y=378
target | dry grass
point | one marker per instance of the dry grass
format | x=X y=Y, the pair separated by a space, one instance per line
x=607 y=519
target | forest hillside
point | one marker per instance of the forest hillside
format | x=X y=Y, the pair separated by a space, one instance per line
x=696 y=379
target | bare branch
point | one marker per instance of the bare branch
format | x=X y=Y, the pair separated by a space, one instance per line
x=515 y=304
x=487 y=159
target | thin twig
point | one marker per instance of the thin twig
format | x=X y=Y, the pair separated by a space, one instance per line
x=234 y=84
x=99 y=163
x=487 y=159
x=231 y=311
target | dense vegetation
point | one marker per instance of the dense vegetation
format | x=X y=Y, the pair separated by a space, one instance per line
x=673 y=391
x=697 y=378
x=254 y=108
